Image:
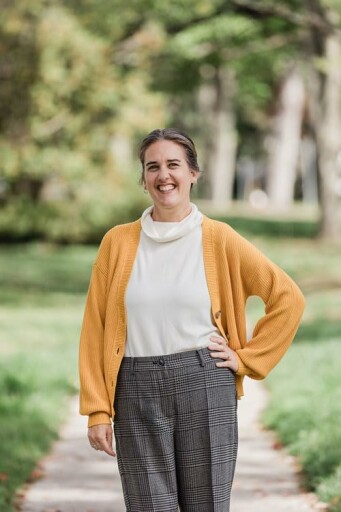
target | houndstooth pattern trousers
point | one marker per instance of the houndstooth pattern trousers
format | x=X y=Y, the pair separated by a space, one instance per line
x=176 y=432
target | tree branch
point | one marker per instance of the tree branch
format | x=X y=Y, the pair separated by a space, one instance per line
x=307 y=20
x=253 y=47
x=264 y=45
x=179 y=27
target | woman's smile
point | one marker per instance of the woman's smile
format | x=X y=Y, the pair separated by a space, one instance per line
x=166 y=189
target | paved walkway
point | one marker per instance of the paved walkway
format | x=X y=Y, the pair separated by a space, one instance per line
x=78 y=479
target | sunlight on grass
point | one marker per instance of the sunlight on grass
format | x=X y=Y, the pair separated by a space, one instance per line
x=42 y=297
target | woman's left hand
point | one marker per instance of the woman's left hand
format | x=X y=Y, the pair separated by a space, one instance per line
x=223 y=351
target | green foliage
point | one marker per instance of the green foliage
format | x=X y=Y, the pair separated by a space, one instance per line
x=214 y=35
x=34 y=387
x=329 y=490
x=19 y=58
x=121 y=68
x=42 y=274
x=111 y=19
x=305 y=387
x=308 y=414
x=179 y=13
x=59 y=180
x=305 y=405
x=281 y=228
x=42 y=299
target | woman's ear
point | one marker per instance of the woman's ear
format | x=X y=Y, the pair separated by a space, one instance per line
x=194 y=176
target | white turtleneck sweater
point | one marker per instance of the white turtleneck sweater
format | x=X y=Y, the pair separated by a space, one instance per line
x=167 y=298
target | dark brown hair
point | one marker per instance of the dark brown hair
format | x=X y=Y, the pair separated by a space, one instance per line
x=177 y=136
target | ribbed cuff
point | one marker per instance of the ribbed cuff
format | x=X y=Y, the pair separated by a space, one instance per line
x=99 y=418
x=245 y=370
x=242 y=369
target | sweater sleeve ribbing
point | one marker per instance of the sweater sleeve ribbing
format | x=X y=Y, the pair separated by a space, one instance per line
x=284 y=305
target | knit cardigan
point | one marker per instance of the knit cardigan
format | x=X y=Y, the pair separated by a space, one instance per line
x=235 y=270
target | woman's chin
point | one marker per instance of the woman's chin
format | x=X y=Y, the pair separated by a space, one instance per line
x=167 y=199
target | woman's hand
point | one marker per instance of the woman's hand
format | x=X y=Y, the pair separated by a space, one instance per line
x=223 y=351
x=100 y=438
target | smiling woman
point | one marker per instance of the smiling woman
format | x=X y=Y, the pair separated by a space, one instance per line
x=163 y=349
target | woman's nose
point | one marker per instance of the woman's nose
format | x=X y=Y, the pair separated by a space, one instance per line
x=163 y=171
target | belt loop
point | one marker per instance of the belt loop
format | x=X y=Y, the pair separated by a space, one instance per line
x=202 y=360
x=132 y=361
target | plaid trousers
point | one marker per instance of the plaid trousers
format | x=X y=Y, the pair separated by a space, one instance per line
x=176 y=432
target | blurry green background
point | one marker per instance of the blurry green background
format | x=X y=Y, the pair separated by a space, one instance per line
x=257 y=85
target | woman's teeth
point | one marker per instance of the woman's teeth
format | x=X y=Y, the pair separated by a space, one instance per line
x=166 y=188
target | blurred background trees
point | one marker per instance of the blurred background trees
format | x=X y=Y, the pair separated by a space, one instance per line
x=256 y=83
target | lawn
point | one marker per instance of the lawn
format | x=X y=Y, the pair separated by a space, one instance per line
x=41 y=304
x=305 y=388
x=42 y=294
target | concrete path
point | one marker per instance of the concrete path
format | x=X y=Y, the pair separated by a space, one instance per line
x=78 y=479
x=266 y=479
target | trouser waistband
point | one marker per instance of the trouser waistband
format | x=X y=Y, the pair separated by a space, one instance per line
x=169 y=361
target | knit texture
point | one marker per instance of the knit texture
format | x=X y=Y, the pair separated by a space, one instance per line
x=235 y=270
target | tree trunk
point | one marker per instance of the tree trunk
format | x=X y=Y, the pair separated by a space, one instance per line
x=206 y=102
x=308 y=167
x=121 y=152
x=329 y=137
x=285 y=144
x=221 y=132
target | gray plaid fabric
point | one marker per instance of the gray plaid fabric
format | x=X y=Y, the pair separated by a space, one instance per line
x=176 y=432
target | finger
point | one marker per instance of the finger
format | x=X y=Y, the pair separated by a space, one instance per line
x=109 y=440
x=225 y=364
x=92 y=442
x=107 y=447
x=218 y=340
x=216 y=346
x=105 y=444
x=221 y=355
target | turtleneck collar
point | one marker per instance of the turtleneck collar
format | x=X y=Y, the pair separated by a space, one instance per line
x=168 y=231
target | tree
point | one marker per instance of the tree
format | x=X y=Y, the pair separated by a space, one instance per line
x=60 y=147
x=318 y=22
x=326 y=97
x=286 y=141
x=58 y=157
x=224 y=62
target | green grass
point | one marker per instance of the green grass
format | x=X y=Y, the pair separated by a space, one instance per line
x=305 y=409
x=305 y=388
x=41 y=305
x=302 y=221
x=43 y=274
x=42 y=294
x=271 y=227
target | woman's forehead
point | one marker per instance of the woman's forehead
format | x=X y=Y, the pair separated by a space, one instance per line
x=164 y=150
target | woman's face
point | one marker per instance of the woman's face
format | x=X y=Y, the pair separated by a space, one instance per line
x=168 y=179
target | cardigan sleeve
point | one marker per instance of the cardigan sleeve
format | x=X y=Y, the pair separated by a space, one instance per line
x=94 y=400
x=284 y=306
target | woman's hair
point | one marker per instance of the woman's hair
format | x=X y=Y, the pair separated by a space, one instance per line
x=176 y=136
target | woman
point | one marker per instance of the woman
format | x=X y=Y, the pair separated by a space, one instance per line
x=163 y=348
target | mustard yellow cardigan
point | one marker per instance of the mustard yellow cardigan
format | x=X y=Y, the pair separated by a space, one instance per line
x=234 y=269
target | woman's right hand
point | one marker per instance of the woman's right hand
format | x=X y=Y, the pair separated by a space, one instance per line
x=100 y=438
